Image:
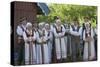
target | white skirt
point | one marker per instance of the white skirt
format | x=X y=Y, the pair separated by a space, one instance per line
x=38 y=54
x=89 y=54
x=66 y=39
x=60 y=46
x=46 y=53
x=50 y=50
x=30 y=58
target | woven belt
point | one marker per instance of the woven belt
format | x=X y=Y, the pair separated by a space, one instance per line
x=41 y=43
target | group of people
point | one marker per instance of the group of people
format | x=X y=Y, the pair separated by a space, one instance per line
x=45 y=43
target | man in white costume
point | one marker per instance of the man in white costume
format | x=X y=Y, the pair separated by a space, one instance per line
x=20 y=42
x=88 y=34
x=60 y=45
x=75 y=31
x=49 y=36
x=42 y=47
x=29 y=38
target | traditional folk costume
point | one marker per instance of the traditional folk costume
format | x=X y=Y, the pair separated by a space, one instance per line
x=42 y=47
x=49 y=36
x=20 y=29
x=53 y=56
x=89 y=49
x=75 y=32
x=67 y=39
x=38 y=48
x=60 y=44
x=30 y=50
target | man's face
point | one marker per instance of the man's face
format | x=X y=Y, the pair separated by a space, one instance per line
x=29 y=27
x=75 y=23
x=24 y=22
x=87 y=25
x=35 y=25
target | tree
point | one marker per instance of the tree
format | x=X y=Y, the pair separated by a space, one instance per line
x=68 y=12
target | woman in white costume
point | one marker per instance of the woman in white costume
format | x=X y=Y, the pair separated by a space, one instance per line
x=60 y=45
x=42 y=47
x=29 y=37
x=67 y=38
x=38 y=46
x=49 y=36
x=89 y=49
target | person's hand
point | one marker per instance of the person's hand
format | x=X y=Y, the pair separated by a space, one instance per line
x=44 y=40
x=30 y=38
x=19 y=39
x=40 y=41
x=59 y=28
x=60 y=34
x=33 y=39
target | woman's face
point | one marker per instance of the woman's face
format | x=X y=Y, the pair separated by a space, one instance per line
x=87 y=25
x=75 y=23
x=47 y=27
x=24 y=22
x=29 y=27
x=58 y=22
x=40 y=27
x=86 y=20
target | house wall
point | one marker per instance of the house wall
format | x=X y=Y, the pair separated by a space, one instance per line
x=19 y=10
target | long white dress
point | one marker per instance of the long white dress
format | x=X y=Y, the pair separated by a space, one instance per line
x=60 y=44
x=49 y=36
x=38 y=49
x=89 y=49
x=68 y=45
x=30 y=50
x=42 y=49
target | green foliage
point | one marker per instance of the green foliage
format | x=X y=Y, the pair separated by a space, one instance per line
x=68 y=12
